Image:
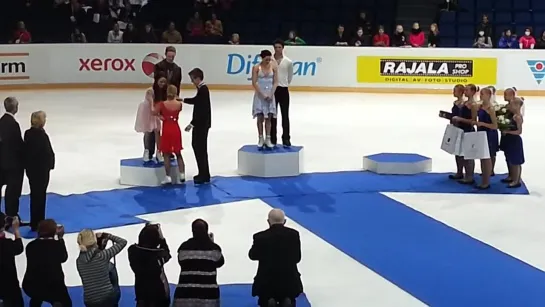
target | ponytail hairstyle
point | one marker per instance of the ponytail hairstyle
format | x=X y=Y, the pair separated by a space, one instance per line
x=490 y=93
x=471 y=90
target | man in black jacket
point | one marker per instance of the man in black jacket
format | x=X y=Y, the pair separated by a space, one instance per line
x=173 y=74
x=278 y=250
x=200 y=124
x=11 y=157
x=10 y=291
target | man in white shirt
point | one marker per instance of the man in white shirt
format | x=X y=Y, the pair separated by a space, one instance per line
x=282 y=94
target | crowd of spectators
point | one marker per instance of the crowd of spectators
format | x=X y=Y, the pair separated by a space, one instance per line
x=139 y=21
x=277 y=281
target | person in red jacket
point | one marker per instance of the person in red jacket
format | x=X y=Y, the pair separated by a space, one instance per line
x=527 y=41
x=21 y=35
x=381 y=39
x=416 y=38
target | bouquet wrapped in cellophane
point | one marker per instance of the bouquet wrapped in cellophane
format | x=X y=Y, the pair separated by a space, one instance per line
x=504 y=117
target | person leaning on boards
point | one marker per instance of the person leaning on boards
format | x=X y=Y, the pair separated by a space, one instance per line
x=278 y=251
x=39 y=161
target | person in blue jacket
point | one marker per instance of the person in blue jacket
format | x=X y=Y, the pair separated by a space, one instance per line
x=508 y=40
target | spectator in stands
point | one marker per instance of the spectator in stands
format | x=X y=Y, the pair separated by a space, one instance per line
x=540 y=44
x=78 y=37
x=171 y=35
x=278 y=251
x=527 y=41
x=195 y=25
x=149 y=37
x=341 y=39
x=21 y=35
x=98 y=274
x=485 y=27
x=482 y=41
x=398 y=38
x=130 y=35
x=10 y=291
x=115 y=35
x=365 y=24
x=433 y=36
x=147 y=259
x=508 y=40
x=217 y=26
x=417 y=38
x=359 y=39
x=199 y=259
x=294 y=39
x=381 y=39
x=205 y=7
x=44 y=278
x=235 y=39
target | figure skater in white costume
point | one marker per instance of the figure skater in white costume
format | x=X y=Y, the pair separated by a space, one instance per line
x=264 y=81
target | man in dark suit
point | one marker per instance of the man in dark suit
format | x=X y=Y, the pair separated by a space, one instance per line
x=200 y=124
x=11 y=157
x=278 y=250
x=173 y=73
x=10 y=291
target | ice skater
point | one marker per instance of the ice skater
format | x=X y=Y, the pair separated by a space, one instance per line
x=148 y=124
x=265 y=82
x=171 y=135
x=282 y=93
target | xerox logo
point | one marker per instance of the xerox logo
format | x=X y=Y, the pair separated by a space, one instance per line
x=106 y=64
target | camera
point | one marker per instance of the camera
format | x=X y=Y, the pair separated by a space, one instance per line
x=102 y=241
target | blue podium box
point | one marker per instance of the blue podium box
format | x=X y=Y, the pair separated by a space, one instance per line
x=397 y=163
x=136 y=172
x=268 y=163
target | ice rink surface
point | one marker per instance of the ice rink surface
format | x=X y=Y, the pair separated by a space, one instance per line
x=92 y=130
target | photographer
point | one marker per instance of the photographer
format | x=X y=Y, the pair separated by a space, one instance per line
x=10 y=292
x=44 y=278
x=199 y=259
x=98 y=274
x=147 y=259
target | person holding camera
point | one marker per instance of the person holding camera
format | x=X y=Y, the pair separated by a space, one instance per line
x=98 y=274
x=10 y=291
x=199 y=259
x=44 y=277
x=147 y=260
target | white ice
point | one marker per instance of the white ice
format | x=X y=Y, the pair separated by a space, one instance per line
x=92 y=130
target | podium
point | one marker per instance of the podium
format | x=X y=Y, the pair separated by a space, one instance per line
x=135 y=172
x=269 y=163
x=397 y=163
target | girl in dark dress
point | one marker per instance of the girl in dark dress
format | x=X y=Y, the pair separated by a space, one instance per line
x=464 y=121
x=488 y=123
x=512 y=144
x=458 y=93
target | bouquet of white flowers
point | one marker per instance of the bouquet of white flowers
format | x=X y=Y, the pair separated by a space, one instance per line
x=503 y=117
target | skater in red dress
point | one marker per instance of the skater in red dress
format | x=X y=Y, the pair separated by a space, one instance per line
x=171 y=136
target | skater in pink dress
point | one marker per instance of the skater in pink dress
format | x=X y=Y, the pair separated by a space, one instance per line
x=147 y=123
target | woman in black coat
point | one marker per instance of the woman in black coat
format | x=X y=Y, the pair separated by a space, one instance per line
x=44 y=277
x=147 y=259
x=39 y=161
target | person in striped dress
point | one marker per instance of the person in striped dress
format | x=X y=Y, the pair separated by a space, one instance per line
x=95 y=269
x=199 y=259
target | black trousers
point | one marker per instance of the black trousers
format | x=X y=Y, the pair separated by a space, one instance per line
x=60 y=299
x=282 y=97
x=264 y=302
x=38 y=181
x=13 y=180
x=14 y=299
x=150 y=144
x=199 y=143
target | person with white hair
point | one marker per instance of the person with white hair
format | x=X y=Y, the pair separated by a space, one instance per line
x=11 y=157
x=98 y=275
x=278 y=251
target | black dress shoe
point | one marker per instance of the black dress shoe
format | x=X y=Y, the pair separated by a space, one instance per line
x=455 y=177
x=514 y=186
x=286 y=143
x=506 y=180
x=482 y=187
x=201 y=180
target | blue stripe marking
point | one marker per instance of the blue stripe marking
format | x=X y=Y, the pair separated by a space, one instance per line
x=433 y=262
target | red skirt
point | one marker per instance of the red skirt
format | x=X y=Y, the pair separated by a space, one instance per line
x=171 y=138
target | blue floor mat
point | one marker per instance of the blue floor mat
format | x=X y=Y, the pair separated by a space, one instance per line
x=120 y=207
x=236 y=295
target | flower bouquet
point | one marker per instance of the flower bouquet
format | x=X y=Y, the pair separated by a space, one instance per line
x=504 y=117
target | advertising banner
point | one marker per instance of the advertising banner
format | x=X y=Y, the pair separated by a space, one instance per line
x=426 y=70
